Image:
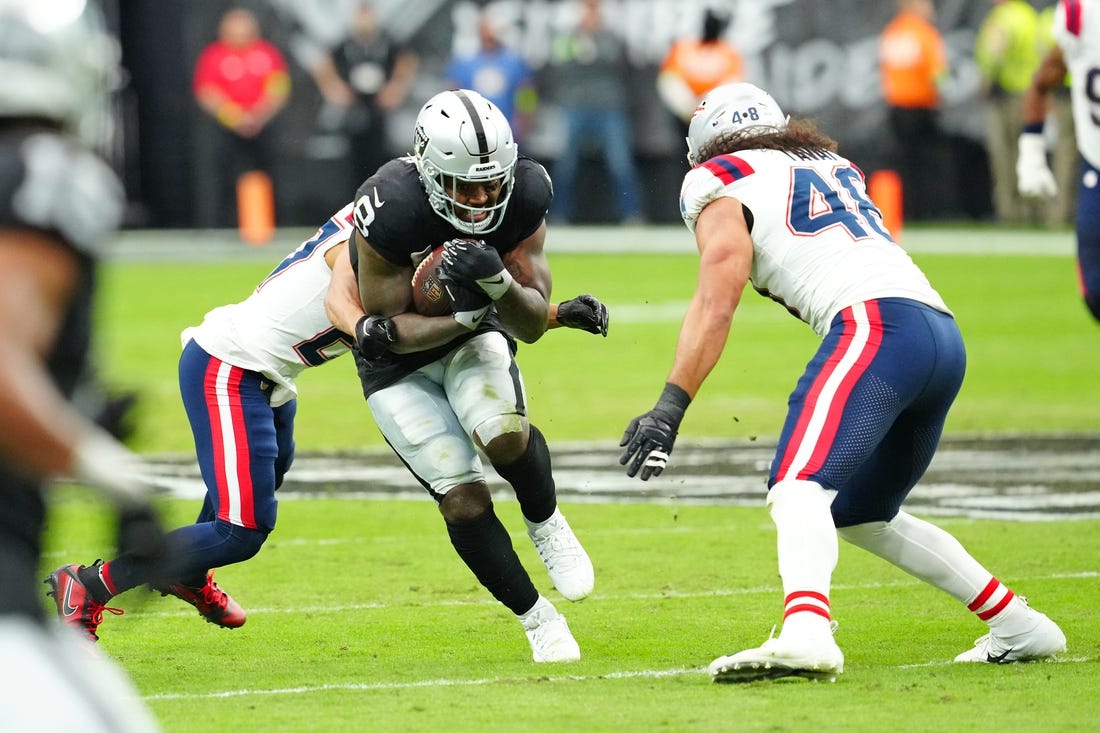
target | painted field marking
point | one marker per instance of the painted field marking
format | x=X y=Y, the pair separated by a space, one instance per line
x=474 y=682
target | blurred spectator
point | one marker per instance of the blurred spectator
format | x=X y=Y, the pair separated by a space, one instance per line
x=1007 y=56
x=366 y=77
x=499 y=74
x=1075 y=53
x=590 y=66
x=241 y=81
x=694 y=66
x=1065 y=161
x=912 y=62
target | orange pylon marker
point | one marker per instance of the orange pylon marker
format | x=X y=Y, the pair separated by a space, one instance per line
x=885 y=189
x=255 y=208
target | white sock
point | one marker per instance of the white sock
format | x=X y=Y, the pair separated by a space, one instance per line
x=534 y=527
x=933 y=555
x=542 y=611
x=807 y=548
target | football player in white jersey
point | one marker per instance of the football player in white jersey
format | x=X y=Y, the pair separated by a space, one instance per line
x=237 y=377
x=771 y=202
x=1076 y=51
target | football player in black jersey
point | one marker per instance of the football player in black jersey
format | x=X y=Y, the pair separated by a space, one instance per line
x=58 y=203
x=442 y=388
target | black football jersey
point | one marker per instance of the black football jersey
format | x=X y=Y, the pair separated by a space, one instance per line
x=396 y=220
x=50 y=185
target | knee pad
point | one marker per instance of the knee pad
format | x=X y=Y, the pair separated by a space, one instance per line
x=499 y=425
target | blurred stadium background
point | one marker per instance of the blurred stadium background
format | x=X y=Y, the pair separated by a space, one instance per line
x=818 y=57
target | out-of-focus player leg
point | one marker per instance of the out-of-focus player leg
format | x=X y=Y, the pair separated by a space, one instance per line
x=48 y=658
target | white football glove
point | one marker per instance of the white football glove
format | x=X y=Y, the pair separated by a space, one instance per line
x=1033 y=175
x=102 y=463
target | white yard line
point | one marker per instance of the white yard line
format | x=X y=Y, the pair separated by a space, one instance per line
x=511 y=680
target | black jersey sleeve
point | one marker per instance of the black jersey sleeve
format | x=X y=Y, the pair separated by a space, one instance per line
x=393 y=215
x=535 y=192
x=527 y=206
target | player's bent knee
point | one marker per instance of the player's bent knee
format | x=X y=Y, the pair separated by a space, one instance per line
x=466 y=502
x=238 y=543
x=864 y=535
x=790 y=490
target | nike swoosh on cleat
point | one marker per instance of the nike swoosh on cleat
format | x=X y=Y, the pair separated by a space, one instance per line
x=999 y=659
x=66 y=608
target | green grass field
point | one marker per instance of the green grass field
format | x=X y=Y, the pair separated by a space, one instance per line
x=1031 y=345
x=361 y=617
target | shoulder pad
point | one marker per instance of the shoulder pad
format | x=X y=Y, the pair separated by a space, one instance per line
x=66 y=189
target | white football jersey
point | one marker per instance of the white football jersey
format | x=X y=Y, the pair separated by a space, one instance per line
x=281 y=329
x=818 y=242
x=1077 y=32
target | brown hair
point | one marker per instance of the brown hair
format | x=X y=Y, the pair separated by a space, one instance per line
x=800 y=134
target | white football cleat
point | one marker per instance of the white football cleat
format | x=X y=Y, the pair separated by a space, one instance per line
x=551 y=641
x=567 y=563
x=1041 y=640
x=820 y=659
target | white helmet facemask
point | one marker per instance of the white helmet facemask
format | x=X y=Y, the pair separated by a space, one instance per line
x=463 y=146
x=740 y=109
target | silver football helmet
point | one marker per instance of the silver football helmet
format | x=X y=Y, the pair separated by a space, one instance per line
x=463 y=140
x=59 y=63
x=740 y=108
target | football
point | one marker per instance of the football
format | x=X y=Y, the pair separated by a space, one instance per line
x=429 y=296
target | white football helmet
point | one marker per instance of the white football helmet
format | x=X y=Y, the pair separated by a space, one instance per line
x=740 y=108
x=461 y=138
x=58 y=63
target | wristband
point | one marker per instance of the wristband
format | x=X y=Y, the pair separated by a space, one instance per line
x=674 y=401
x=497 y=285
x=1032 y=128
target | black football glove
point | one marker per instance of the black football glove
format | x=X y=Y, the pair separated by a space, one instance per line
x=477 y=266
x=374 y=335
x=468 y=306
x=649 y=438
x=584 y=312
